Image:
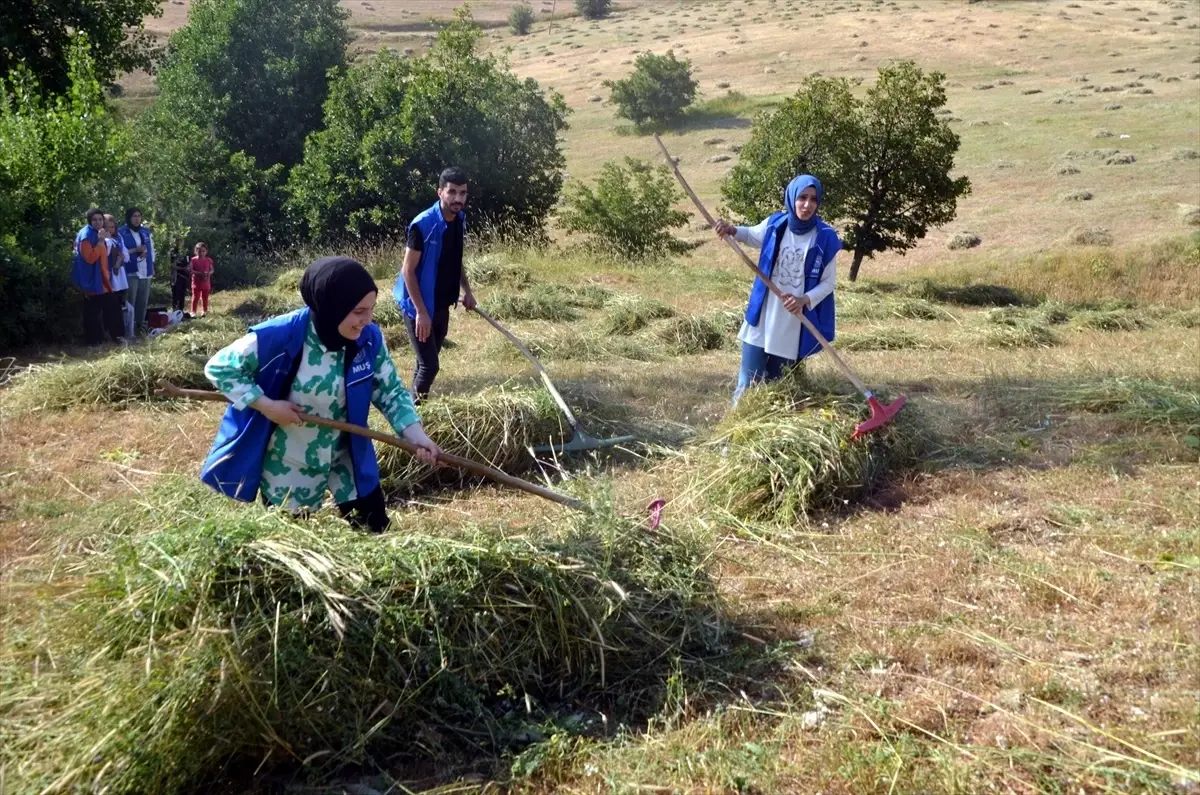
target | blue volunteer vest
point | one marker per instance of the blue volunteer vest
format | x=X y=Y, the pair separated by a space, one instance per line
x=235 y=462
x=83 y=275
x=820 y=254
x=432 y=225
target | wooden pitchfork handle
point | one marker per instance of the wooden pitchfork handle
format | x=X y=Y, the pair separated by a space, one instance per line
x=541 y=371
x=167 y=389
x=845 y=368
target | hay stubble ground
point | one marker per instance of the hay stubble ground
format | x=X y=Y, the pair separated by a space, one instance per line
x=1018 y=616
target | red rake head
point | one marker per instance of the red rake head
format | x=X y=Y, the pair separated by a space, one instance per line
x=881 y=415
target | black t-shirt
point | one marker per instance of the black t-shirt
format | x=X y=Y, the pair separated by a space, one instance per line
x=450 y=263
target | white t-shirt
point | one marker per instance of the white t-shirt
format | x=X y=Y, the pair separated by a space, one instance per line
x=778 y=330
x=120 y=279
x=142 y=269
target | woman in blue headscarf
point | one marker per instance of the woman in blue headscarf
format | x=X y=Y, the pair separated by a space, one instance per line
x=797 y=251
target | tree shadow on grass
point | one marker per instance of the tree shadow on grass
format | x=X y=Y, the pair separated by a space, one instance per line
x=730 y=111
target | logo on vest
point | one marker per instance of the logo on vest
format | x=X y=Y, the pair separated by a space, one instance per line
x=816 y=268
x=361 y=364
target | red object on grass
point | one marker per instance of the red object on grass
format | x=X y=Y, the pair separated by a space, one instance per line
x=656 y=508
x=881 y=414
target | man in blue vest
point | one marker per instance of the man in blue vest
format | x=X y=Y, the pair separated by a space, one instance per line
x=432 y=276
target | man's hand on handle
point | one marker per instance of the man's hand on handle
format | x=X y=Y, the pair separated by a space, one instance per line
x=724 y=229
x=468 y=300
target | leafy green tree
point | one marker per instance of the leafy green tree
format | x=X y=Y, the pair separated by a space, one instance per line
x=520 y=19
x=242 y=85
x=898 y=179
x=40 y=35
x=885 y=161
x=630 y=210
x=658 y=90
x=59 y=155
x=593 y=9
x=255 y=71
x=392 y=124
x=807 y=134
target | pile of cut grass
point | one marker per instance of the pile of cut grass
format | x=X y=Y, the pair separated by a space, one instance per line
x=496 y=426
x=118 y=379
x=587 y=296
x=693 y=334
x=965 y=295
x=883 y=338
x=1140 y=400
x=1015 y=332
x=529 y=305
x=863 y=305
x=571 y=344
x=626 y=314
x=1110 y=320
x=202 y=640
x=262 y=304
x=492 y=268
x=785 y=452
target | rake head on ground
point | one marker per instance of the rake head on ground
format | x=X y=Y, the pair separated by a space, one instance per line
x=582 y=442
x=881 y=414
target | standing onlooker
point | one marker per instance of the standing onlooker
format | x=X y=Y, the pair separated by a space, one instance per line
x=432 y=275
x=202 y=270
x=118 y=258
x=141 y=249
x=90 y=273
x=181 y=278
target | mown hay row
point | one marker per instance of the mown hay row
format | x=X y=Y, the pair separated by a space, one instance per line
x=1138 y=399
x=235 y=639
x=626 y=314
x=785 y=452
x=496 y=426
x=118 y=379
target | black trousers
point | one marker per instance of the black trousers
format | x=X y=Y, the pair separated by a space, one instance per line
x=427 y=352
x=179 y=291
x=369 y=511
x=114 y=321
x=93 y=318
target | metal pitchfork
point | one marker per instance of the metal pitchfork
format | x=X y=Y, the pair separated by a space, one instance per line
x=881 y=413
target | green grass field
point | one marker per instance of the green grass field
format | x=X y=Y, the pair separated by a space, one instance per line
x=1000 y=596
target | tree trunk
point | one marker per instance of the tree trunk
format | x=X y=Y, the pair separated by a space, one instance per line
x=858 y=258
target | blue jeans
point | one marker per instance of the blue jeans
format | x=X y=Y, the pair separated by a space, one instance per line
x=758 y=366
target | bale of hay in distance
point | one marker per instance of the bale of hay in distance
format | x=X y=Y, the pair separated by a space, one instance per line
x=784 y=452
x=211 y=636
x=496 y=426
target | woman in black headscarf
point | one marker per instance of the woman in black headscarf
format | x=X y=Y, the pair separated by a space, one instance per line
x=329 y=360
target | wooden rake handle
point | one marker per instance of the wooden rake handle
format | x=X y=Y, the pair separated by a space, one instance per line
x=845 y=368
x=167 y=389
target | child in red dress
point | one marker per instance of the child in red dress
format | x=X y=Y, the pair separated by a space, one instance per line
x=202 y=270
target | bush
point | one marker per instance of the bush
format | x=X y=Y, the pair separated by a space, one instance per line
x=658 y=90
x=392 y=123
x=630 y=209
x=593 y=9
x=520 y=19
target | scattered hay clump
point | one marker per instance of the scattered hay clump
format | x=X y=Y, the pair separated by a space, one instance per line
x=965 y=295
x=864 y=306
x=787 y=452
x=529 y=305
x=963 y=240
x=222 y=637
x=1141 y=400
x=1077 y=196
x=883 y=338
x=1029 y=333
x=491 y=268
x=1190 y=214
x=1110 y=320
x=626 y=314
x=1092 y=236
